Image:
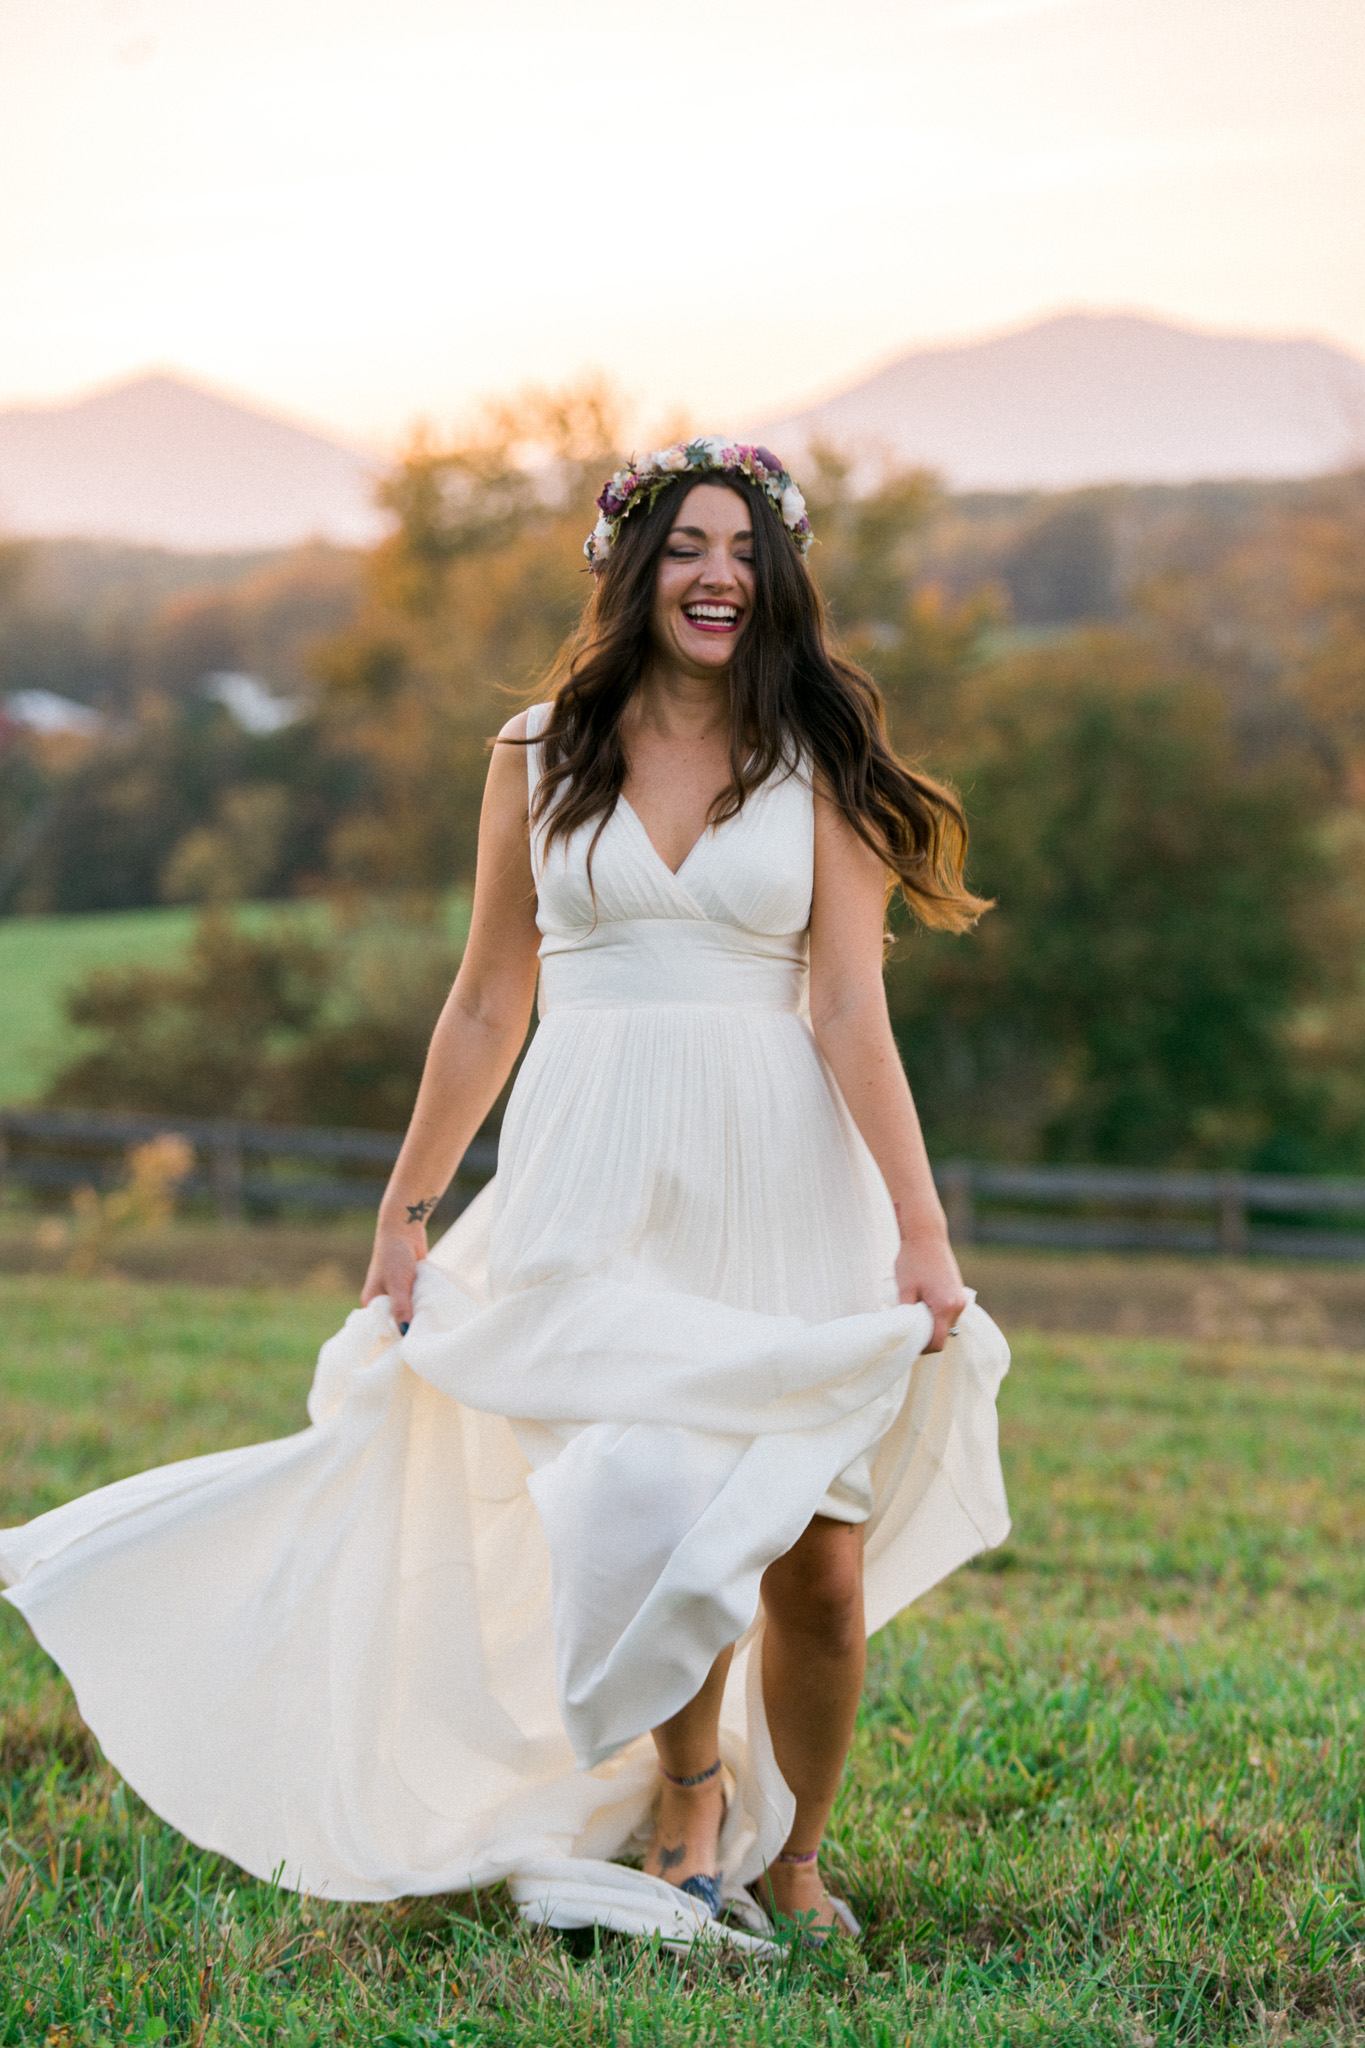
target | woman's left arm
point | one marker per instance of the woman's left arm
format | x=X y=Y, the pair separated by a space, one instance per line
x=853 y=1031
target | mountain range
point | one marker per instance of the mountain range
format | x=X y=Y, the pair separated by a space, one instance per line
x=1078 y=399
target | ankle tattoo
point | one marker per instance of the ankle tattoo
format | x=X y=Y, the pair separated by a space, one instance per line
x=700 y=1778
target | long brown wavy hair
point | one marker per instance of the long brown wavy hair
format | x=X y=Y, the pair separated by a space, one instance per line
x=792 y=696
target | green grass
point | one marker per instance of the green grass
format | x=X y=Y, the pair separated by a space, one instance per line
x=1107 y=1786
x=41 y=957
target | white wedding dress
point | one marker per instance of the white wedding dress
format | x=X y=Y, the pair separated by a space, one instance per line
x=419 y=1646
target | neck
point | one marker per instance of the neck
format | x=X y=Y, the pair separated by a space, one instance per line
x=682 y=703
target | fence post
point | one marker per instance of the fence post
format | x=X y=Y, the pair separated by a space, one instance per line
x=1232 y=1216
x=226 y=1174
x=956 y=1179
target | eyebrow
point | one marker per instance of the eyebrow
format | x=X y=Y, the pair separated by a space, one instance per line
x=699 y=532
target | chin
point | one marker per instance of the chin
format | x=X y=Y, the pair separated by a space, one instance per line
x=711 y=651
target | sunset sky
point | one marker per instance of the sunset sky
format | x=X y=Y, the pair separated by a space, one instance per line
x=362 y=211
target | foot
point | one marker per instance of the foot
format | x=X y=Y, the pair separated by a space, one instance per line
x=791 y=1891
x=686 y=1831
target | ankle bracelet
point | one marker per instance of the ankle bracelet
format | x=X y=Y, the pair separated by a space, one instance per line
x=700 y=1777
x=799 y=1856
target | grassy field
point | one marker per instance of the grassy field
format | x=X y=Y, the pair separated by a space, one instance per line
x=1107 y=1786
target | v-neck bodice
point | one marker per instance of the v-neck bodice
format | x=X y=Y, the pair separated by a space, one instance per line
x=728 y=927
x=624 y=803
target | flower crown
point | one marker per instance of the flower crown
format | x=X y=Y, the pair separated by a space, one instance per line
x=640 y=483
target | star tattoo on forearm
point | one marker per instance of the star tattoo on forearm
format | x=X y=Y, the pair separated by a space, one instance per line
x=418 y=1212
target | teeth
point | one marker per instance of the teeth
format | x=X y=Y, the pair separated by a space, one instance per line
x=711 y=611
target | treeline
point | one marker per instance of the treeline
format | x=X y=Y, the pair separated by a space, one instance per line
x=173 y=800
x=1153 y=702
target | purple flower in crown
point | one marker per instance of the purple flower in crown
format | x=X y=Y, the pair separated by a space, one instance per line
x=617 y=494
x=769 y=460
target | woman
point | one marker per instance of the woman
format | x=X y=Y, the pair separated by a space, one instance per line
x=569 y=1568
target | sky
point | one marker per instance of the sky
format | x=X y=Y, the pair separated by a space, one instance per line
x=369 y=212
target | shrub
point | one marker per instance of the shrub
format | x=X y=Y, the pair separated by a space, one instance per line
x=280 y=1026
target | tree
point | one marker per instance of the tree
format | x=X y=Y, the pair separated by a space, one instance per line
x=1156 y=929
x=915 y=640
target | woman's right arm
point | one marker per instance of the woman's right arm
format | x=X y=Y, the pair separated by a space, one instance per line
x=478 y=1035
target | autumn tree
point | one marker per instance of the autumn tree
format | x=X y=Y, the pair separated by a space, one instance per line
x=467 y=602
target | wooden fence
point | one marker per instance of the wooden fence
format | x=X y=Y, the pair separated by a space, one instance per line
x=263 y=1169
x=241 y=1169
x=1079 y=1208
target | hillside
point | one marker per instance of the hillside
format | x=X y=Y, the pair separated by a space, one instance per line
x=1089 y=398
x=158 y=461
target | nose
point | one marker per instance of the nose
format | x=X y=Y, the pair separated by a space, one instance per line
x=718 y=571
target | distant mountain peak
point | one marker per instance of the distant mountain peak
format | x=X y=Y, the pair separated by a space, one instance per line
x=1089 y=398
x=160 y=460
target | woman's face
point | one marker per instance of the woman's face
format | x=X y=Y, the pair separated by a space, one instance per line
x=704 y=590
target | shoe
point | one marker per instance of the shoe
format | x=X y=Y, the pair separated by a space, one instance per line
x=845 y=1915
x=707 y=1889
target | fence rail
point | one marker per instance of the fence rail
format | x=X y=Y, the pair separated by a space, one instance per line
x=244 y=1169
x=240 y=1168
x=1118 y=1209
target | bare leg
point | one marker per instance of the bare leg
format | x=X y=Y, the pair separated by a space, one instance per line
x=687 y=1827
x=814 y=1657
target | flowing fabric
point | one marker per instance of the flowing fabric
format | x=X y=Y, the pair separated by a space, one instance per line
x=419 y=1646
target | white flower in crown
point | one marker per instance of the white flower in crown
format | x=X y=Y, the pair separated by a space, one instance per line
x=792 y=506
x=671 y=460
x=597 y=546
x=714 y=447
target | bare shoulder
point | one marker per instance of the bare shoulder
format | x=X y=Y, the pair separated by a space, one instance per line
x=835 y=838
x=826 y=805
x=505 y=792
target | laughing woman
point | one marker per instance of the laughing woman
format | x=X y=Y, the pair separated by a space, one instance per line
x=574 y=1569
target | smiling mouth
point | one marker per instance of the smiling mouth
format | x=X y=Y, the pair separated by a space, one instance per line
x=712 y=618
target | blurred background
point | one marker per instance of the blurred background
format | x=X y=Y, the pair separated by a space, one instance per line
x=321 y=327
